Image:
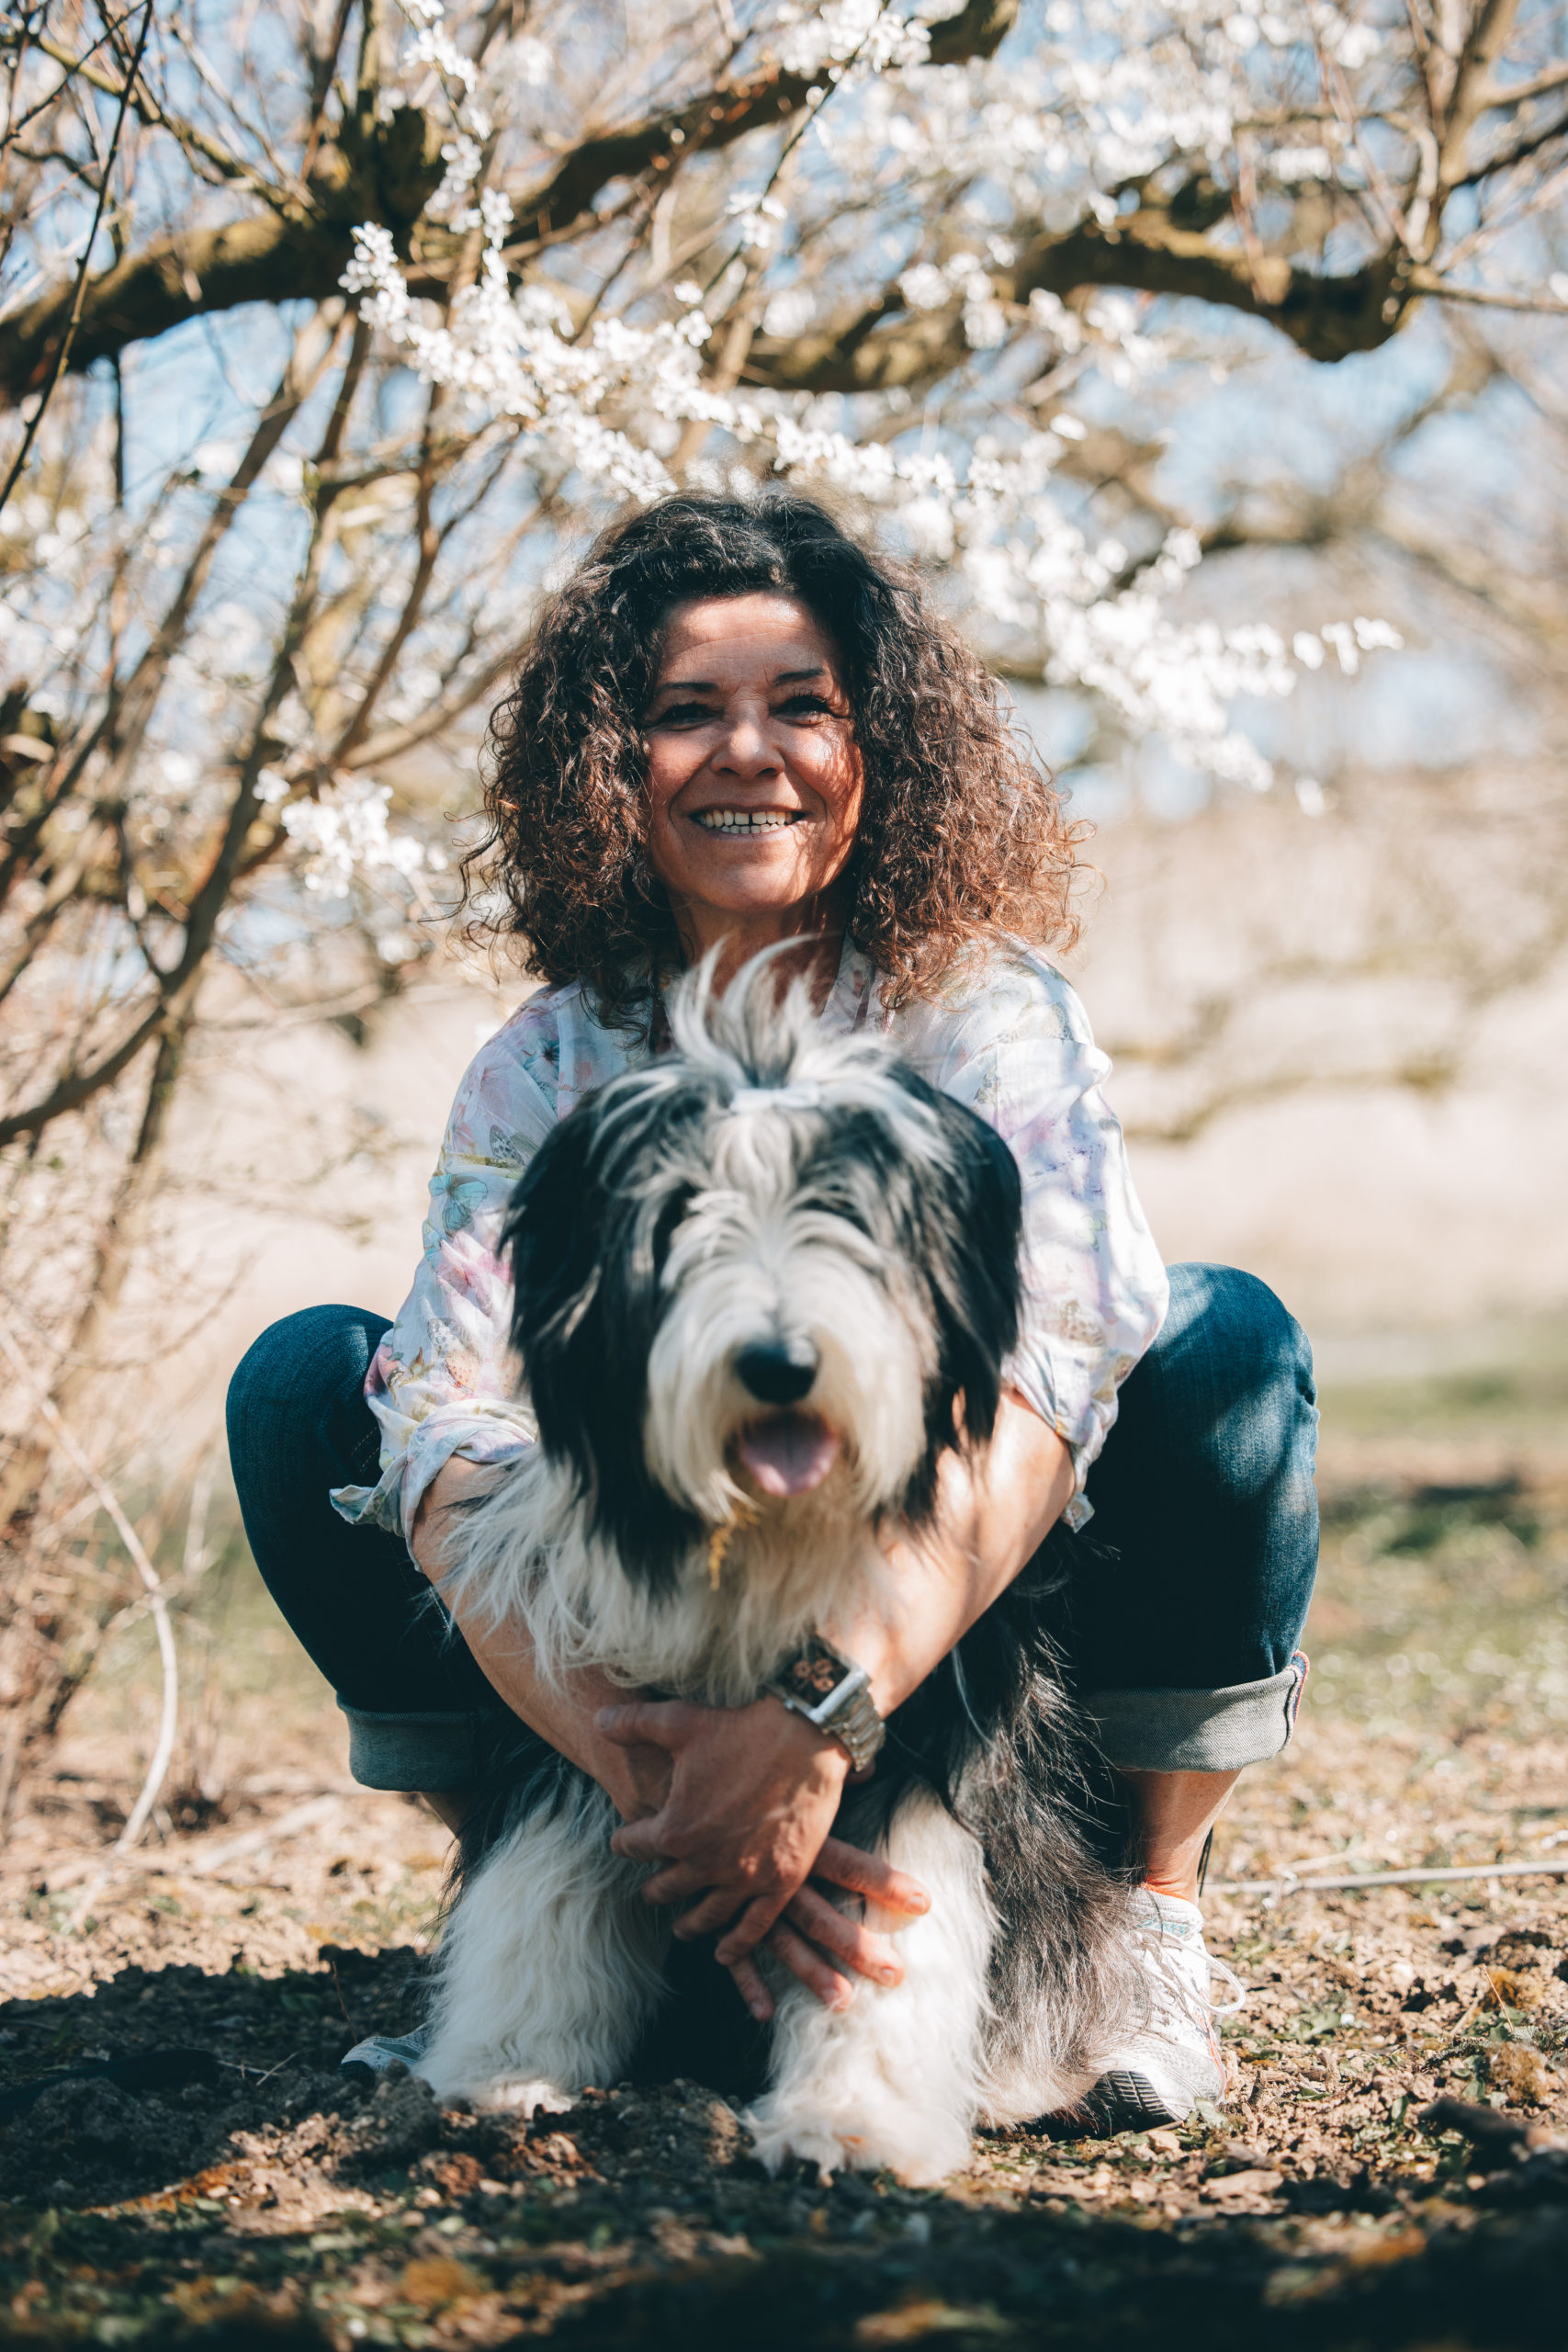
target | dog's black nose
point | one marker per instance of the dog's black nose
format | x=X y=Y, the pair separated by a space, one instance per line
x=779 y=1372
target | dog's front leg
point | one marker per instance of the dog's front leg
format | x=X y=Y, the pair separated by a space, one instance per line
x=896 y=2080
x=551 y=1962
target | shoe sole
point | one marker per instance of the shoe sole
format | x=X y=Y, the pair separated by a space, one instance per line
x=1124 y=2102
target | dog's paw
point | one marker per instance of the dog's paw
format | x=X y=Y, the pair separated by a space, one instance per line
x=918 y=2146
x=780 y=2138
x=485 y=2075
x=525 y=2095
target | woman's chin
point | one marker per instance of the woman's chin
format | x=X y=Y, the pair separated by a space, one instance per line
x=750 y=882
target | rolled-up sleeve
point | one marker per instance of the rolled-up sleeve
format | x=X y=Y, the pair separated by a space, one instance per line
x=444 y=1381
x=1095 y=1292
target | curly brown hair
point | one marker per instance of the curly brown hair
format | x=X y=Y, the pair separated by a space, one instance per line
x=962 y=838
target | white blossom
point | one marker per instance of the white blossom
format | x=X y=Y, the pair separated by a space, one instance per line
x=344 y=835
x=524 y=63
x=865 y=30
x=756 y=218
x=462 y=157
x=1289 y=165
x=925 y=288
x=789 y=312
x=433 y=47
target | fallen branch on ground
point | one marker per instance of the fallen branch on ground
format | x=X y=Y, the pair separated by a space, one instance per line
x=1288 y=1883
x=184 y=1862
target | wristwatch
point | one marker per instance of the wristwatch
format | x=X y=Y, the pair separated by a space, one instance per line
x=834 y=1695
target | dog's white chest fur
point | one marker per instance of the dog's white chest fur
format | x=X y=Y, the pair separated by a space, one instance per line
x=526 y=1557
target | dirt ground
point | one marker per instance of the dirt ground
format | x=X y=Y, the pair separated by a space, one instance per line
x=1392 y=2169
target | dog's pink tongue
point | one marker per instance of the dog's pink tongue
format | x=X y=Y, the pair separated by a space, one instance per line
x=788 y=1453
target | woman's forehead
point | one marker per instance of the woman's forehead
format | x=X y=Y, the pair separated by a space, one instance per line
x=716 y=638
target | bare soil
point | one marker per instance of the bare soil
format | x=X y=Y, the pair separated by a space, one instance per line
x=1392 y=2168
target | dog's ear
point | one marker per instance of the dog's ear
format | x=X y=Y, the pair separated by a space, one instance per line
x=980 y=1279
x=548 y=1237
x=971 y=1219
x=586 y=1257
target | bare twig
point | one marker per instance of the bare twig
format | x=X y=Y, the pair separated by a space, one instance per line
x=169 y=1720
x=1288 y=1883
x=75 y=320
x=192 y=1861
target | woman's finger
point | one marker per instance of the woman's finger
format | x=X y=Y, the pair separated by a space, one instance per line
x=865 y=1873
x=658 y=1723
x=643 y=1841
x=803 y=1959
x=706 y=1917
x=751 y=1928
x=752 y=1985
x=869 y=1955
x=679 y=1883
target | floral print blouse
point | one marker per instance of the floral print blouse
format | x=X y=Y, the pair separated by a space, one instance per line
x=1011 y=1040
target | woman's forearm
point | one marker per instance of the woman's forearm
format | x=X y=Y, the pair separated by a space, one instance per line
x=993 y=1514
x=565 y=1712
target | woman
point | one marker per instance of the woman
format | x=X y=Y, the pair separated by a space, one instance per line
x=733 y=728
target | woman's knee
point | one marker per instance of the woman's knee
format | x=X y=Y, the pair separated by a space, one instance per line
x=294 y=1386
x=1237 y=1367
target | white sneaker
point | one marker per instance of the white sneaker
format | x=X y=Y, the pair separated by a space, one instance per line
x=1174 y=2061
x=378 y=2053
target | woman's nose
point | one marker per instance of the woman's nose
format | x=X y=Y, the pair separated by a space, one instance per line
x=747 y=750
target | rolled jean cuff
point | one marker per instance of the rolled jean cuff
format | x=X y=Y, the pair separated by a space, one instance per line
x=1199 y=1730
x=421 y=1751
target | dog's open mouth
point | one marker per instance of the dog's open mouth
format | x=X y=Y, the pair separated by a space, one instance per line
x=788 y=1453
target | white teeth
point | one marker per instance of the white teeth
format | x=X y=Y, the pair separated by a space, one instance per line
x=744 y=821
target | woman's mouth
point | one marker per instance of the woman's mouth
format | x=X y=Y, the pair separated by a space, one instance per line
x=788 y=1453
x=747 y=820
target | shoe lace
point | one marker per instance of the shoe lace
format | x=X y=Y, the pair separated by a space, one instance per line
x=1228 y=1976
x=1225 y=2008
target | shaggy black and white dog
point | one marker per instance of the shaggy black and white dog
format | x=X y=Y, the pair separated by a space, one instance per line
x=761 y=1285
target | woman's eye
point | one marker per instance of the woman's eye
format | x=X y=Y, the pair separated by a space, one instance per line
x=683 y=714
x=807 y=706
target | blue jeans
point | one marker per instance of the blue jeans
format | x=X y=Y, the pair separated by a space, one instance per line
x=1183 y=1600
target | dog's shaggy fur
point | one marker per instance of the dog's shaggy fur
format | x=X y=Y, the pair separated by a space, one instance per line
x=766 y=1206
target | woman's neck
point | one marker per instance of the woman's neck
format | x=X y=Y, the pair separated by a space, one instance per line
x=817 y=924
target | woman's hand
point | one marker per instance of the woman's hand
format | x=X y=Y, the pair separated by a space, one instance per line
x=753 y=1792
x=825 y=1930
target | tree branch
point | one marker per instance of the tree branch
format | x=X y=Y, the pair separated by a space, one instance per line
x=1502 y=94
x=883 y=346
x=262 y=259
x=1443 y=289
x=144 y=105
x=386 y=173
x=720 y=117
x=82 y=1085
x=1521 y=150
x=79 y=292
x=1490 y=28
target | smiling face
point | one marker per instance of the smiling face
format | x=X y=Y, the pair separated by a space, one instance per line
x=754 y=780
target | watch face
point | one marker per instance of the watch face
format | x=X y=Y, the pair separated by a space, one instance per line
x=814 y=1676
